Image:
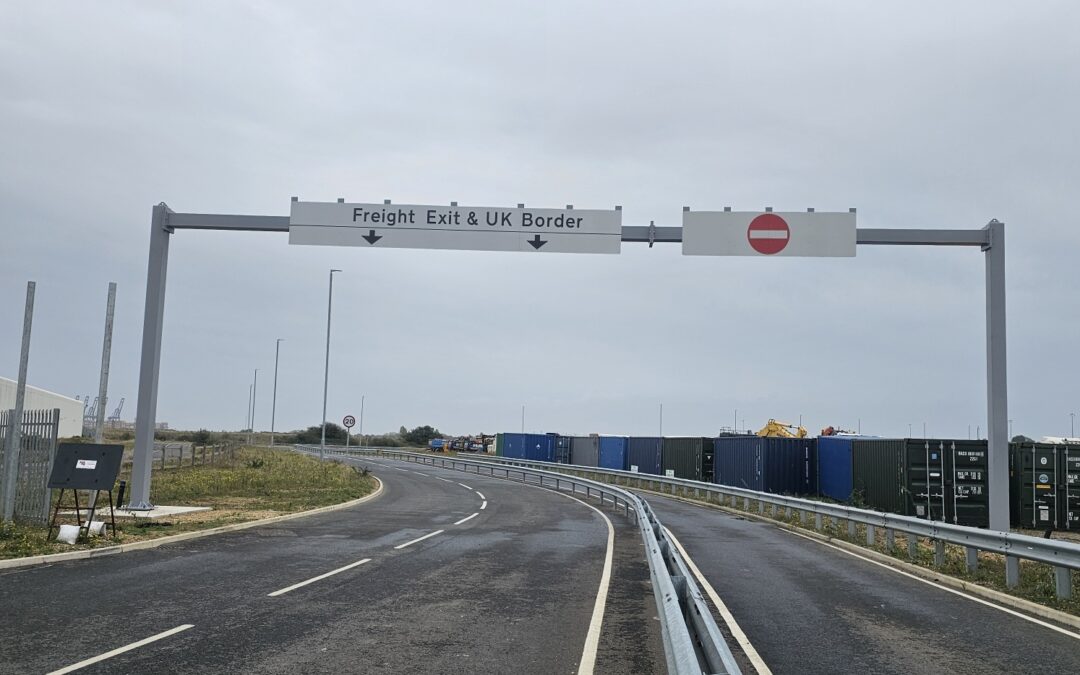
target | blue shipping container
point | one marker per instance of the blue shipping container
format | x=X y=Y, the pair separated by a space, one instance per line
x=613 y=453
x=776 y=465
x=534 y=447
x=834 y=467
x=644 y=452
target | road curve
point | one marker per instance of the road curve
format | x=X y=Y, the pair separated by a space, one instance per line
x=808 y=608
x=443 y=572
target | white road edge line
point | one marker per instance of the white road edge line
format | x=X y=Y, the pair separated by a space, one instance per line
x=121 y=650
x=484 y=505
x=481 y=495
x=1025 y=617
x=736 y=632
x=465 y=486
x=318 y=578
x=467 y=519
x=426 y=536
x=592 y=638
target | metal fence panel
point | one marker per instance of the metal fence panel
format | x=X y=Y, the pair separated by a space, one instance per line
x=38 y=448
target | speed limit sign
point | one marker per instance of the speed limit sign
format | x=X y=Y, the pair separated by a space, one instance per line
x=349 y=421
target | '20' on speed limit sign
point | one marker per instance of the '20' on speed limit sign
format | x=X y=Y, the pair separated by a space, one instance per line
x=349 y=421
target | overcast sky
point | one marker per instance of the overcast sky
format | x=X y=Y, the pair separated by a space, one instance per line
x=924 y=114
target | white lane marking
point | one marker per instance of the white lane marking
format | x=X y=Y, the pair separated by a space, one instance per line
x=400 y=469
x=121 y=650
x=736 y=632
x=418 y=473
x=1025 y=617
x=318 y=578
x=445 y=480
x=465 y=520
x=465 y=486
x=484 y=505
x=426 y=536
x=592 y=638
x=481 y=495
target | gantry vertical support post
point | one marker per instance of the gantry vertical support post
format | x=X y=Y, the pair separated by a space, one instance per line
x=150 y=364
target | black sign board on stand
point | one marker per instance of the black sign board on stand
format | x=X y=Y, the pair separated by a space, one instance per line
x=85 y=466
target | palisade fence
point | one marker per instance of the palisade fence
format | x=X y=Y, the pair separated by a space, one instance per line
x=38 y=448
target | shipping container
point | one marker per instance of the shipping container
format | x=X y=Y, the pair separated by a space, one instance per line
x=562 y=449
x=585 y=450
x=645 y=454
x=834 y=467
x=944 y=480
x=775 y=465
x=1044 y=485
x=534 y=447
x=690 y=458
x=613 y=453
x=500 y=440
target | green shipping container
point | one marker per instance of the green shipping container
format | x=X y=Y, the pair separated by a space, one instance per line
x=690 y=458
x=1044 y=485
x=936 y=479
x=500 y=443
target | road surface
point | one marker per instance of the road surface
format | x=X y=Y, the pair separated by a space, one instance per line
x=441 y=573
x=808 y=608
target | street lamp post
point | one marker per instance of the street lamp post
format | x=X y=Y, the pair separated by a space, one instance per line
x=326 y=372
x=254 y=393
x=1072 y=425
x=362 y=420
x=273 y=406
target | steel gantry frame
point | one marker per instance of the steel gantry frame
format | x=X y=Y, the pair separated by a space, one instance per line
x=990 y=239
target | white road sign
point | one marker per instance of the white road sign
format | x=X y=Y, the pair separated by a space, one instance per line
x=478 y=228
x=800 y=233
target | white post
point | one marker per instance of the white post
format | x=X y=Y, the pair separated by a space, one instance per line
x=106 y=353
x=326 y=372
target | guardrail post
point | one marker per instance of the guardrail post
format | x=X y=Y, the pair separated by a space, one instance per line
x=851 y=530
x=871 y=533
x=890 y=539
x=817 y=521
x=787 y=513
x=761 y=506
x=912 y=546
x=1063 y=582
x=939 y=553
x=745 y=503
x=971 y=558
x=802 y=517
x=1012 y=571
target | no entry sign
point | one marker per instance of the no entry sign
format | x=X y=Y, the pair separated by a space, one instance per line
x=768 y=234
x=754 y=233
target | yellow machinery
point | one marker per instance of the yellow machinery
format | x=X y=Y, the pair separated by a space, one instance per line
x=774 y=429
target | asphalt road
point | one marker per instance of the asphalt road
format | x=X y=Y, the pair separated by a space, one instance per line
x=509 y=589
x=808 y=608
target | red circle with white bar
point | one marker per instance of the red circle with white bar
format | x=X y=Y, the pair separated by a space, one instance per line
x=768 y=234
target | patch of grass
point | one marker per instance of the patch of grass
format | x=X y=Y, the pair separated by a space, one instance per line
x=249 y=484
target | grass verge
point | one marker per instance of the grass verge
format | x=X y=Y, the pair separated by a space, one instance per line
x=251 y=484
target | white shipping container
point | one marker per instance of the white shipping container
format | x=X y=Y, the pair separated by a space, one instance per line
x=71 y=410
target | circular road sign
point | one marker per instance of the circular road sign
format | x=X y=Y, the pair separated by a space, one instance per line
x=768 y=234
x=349 y=421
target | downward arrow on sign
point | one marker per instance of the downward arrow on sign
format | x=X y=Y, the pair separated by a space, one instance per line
x=371 y=237
x=536 y=242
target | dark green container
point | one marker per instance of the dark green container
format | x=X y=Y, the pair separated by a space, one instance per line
x=689 y=457
x=877 y=475
x=936 y=479
x=1044 y=485
x=500 y=441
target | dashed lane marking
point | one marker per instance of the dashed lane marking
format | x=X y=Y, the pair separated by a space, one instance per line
x=121 y=650
x=419 y=539
x=312 y=580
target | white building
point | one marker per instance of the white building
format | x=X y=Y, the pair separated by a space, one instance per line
x=71 y=410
